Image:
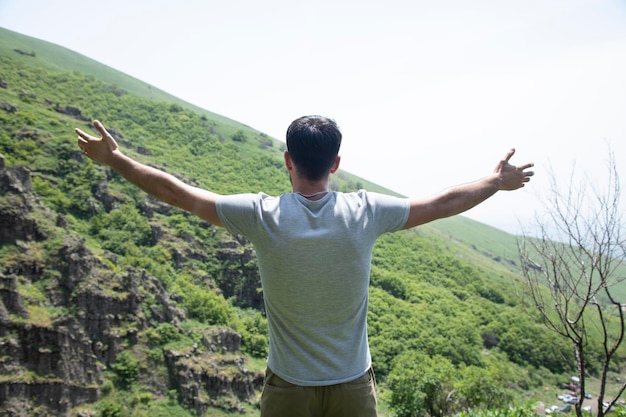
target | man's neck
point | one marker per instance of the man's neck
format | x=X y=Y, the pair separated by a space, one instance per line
x=313 y=190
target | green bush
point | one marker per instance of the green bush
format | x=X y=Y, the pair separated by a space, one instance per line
x=421 y=385
x=240 y=136
x=163 y=334
x=126 y=369
x=110 y=408
x=203 y=304
x=122 y=226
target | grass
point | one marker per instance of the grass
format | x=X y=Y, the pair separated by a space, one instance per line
x=255 y=364
x=487 y=243
x=57 y=58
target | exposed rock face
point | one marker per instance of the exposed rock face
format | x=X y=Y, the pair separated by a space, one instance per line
x=49 y=364
x=240 y=278
x=75 y=112
x=204 y=379
x=53 y=351
x=11 y=300
x=221 y=339
x=8 y=107
x=57 y=397
x=53 y=364
x=16 y=189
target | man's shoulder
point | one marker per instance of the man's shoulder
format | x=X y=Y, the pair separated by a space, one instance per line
x=242 y=197
x=371 y=196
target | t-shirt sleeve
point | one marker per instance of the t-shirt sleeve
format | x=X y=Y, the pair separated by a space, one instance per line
x=238 y=212
x=391 y=212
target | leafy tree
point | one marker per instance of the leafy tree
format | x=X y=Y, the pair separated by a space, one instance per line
x=487 y=388
x=253 y=330
x=122 y=226
x=515 y=411
x=421 y=386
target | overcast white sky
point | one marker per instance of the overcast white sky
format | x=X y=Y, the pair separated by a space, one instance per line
x=428 y=93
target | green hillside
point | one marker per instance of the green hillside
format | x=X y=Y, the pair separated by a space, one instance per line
x=55 y=58
x=117 y=305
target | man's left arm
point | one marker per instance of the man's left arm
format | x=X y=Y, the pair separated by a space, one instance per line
x=456 y=200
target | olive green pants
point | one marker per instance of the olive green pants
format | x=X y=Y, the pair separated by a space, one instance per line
x=352 y=399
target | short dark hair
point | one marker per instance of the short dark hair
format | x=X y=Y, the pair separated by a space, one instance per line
x=313 y=143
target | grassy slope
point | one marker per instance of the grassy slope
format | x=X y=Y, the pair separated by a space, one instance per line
x=481 y=241
x=61 y=59
x=58 y=58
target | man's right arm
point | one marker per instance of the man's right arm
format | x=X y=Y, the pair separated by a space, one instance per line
x=161 y=185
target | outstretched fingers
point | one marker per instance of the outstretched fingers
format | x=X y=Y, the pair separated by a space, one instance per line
x=86 y=136
x=83 y=139
x=525 y=167
x=504 y=164
x=524 y=174
x=527 y=174
x=100 y=128
x=509 y=155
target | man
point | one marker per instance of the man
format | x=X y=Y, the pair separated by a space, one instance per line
x=314 y=250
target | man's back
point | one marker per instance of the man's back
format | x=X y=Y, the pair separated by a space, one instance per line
x=314 y=259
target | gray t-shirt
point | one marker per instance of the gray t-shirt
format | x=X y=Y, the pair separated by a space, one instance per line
x=314 y=260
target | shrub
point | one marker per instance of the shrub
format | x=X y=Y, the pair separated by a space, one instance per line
x=162 y=334
x=126 y=369
x=111 y=409
x=240 y=136
x=203 y=304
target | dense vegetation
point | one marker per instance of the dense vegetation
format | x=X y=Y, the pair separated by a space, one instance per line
x=439 y=322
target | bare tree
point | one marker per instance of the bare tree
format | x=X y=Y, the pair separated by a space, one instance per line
x=572 y=264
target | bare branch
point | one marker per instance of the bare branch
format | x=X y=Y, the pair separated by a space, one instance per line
x=575 y=263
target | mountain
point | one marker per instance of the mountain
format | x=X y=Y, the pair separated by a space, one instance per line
x=116 y=304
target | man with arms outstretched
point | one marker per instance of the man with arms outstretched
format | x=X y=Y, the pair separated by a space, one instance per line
x=314 y=250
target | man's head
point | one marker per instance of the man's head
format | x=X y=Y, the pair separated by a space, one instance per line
x=313 y=144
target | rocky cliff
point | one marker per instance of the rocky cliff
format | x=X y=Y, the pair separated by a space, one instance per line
x=66 y=314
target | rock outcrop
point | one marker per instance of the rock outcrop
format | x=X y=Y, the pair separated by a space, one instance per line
x=215 y=376
x=66 y=314
x=240 y=278
x=17 y=202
